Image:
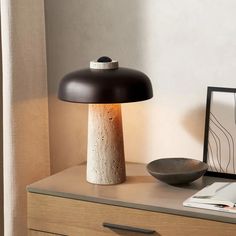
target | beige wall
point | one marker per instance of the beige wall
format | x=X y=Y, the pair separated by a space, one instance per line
x=184 y=46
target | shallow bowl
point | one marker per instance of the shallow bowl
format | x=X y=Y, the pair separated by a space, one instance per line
x=177 y=171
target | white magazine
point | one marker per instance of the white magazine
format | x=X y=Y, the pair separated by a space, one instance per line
x=219 y=196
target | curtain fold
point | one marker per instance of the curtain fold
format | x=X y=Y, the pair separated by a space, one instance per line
x=25 y=106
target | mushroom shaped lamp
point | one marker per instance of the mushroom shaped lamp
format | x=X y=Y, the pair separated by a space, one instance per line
x=104 y=86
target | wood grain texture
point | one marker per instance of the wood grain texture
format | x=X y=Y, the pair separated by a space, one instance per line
x=105 y=161
x=40 y=233
x=75 y=217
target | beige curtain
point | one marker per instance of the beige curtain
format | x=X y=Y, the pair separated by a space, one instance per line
x=25 y=106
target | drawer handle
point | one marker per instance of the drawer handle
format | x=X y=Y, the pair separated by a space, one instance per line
x=128 y=228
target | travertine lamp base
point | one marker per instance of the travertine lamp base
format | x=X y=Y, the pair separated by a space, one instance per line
x=105 y=158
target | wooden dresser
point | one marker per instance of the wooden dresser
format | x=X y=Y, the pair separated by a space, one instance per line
x=65 y=204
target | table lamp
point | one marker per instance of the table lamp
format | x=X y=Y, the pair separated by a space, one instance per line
x=104 y=86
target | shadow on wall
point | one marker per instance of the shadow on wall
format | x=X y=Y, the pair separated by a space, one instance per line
x=194 y=123
x=78 y=31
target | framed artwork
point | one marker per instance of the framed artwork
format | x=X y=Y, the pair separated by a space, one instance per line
x=220 y=132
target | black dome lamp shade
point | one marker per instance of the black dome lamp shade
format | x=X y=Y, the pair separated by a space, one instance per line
x=109 y=85
x=104 y=85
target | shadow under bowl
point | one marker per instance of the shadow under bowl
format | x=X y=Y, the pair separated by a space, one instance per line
x=177 y=171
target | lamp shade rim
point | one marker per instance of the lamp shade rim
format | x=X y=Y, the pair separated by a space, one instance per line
x=103 y=102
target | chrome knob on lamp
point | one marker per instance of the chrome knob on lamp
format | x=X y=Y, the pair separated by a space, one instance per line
x=104 y=86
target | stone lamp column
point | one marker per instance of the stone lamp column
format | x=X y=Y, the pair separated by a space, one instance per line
x=104 y=85
x=105 y=160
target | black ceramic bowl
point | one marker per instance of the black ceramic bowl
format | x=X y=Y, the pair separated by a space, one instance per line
x=177 y=171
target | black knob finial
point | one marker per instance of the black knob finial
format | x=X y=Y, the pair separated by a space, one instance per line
x=104 y=59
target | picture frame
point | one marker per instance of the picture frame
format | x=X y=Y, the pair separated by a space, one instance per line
x=220 y=132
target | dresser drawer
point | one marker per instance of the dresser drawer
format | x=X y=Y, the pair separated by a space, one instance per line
x=40 y=233
x=74 y=217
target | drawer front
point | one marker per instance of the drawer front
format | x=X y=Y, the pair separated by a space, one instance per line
x=74 y=217
x=39 y=233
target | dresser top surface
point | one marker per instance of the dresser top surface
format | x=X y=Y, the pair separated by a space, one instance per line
x=140 y=191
